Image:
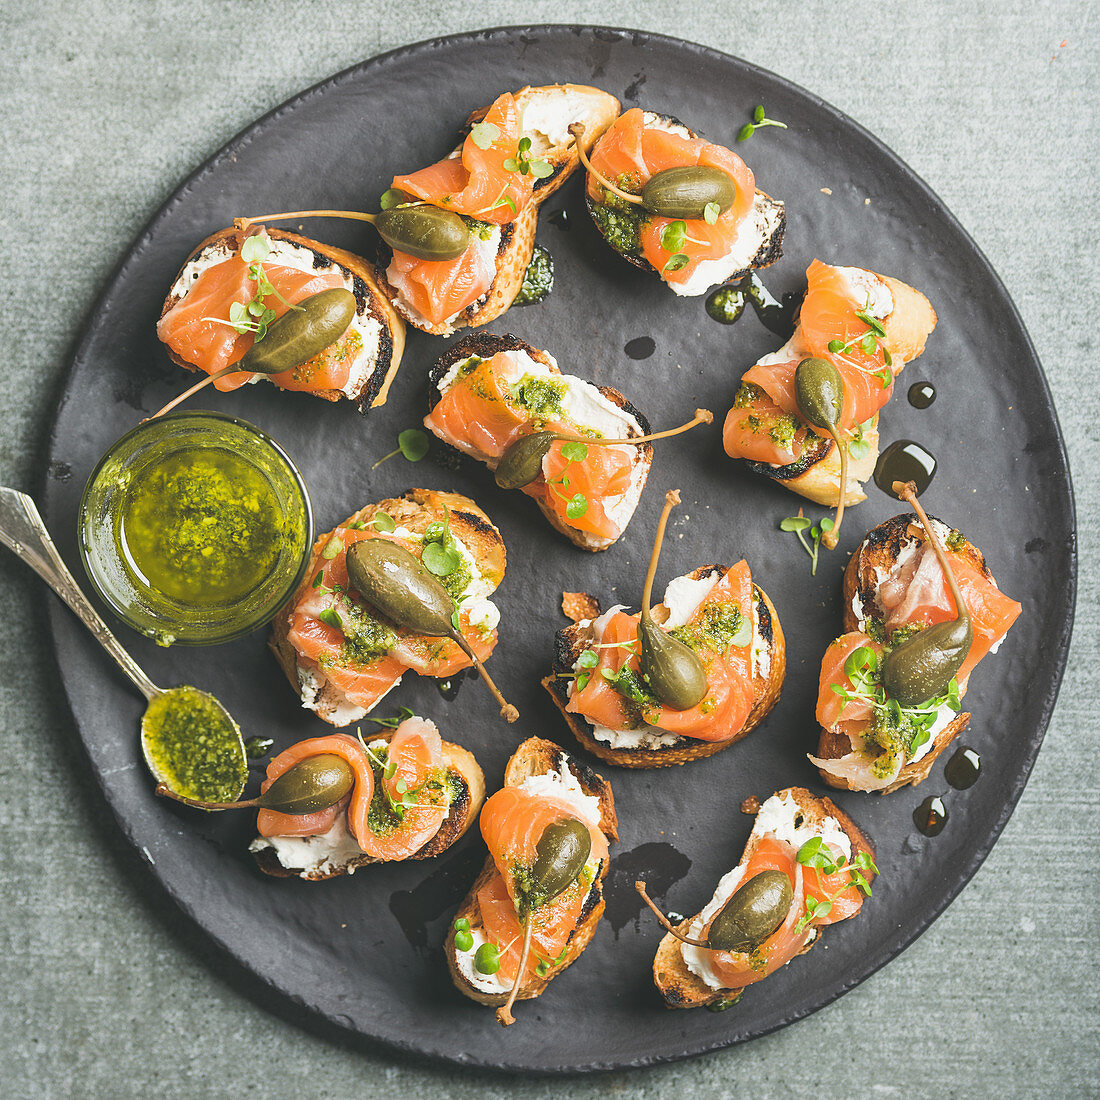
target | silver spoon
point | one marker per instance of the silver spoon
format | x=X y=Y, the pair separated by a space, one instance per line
x=24 y=533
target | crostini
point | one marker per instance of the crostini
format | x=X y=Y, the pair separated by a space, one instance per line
x=412 y=796
x=340 y=653
x=806 y=865
x=600 y=683
x=536 y=904
x=238 y=282
x=690 y=250
x=515 y=154
x=894 y=588
x=868 y=327
x=486 y=392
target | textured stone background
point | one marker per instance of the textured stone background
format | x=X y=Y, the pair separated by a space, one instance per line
x=106 y=106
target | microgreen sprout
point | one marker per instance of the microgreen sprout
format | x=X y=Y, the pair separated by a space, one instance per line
x=816 y=853
x=799 y=525
x=869 y=342
x=412 y=443
x=524 y=164
x=858 y=445
x=758 y=122
x=483 y=134
x=441 y=555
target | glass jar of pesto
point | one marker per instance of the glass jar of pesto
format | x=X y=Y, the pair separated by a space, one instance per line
x=195 y=528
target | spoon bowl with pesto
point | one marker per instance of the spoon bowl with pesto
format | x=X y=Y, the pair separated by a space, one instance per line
x=195 y=528
x=189 y=740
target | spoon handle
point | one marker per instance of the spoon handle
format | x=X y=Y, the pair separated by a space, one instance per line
x=24 y=533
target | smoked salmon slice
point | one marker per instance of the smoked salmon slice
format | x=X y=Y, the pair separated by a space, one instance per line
x=410 y=776
x=198 y=330
x=634 y=150
x=765 y=425
x=513 y=822
x=484 y=411
x=730 y=696
x=338 y=637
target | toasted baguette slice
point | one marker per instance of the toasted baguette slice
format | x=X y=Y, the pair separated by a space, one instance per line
x=413 y=510
x=486 y=345
x=571 y=642
x=372 y=372
x=678 y=985
x=816 y=474
x=536 y=756
x=762 y=244
x=547 y=112
x=873 y=560
x=328 y=858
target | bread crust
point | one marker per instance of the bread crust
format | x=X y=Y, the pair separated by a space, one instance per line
x=770 y=249
x=573 y=640
x=875 y=555
x=486 y=345
x=537 y=756
x=376 y=386
x=517 y=239
x=816 y=474
x=676 y=983
x=461 y=765
x=414 y=510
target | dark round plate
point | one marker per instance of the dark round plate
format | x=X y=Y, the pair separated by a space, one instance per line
x=364 y=951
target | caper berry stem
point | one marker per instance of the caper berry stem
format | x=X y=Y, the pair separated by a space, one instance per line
x=702 y=416
x=577 y=130
x=504 y=1013
x=507 y=711
x=666 y=924
x=829 y=538
x=162 y=790
x=907 y=491
x=231 y=369
x=672 y=498
x=351 y=215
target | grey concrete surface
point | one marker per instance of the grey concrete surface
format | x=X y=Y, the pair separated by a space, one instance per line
x=106 y=104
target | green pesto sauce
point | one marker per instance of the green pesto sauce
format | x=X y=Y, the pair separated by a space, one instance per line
x=726 y=304
x=638 y=698
x=714 y=629
x=783 y=430
x=620 y=229
x=482 y=230
x=747 y=393
x=541 y=397
x=538 y=279
x=194 y=746
x=382 y=819
x=202 y=526
x=365 y=637
x=875 y=630
x=956 y=540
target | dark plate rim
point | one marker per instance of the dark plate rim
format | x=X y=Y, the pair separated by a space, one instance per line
x=1059 y=656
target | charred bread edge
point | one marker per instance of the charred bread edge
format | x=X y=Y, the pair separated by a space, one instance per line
x=766 y=691
x=459 y=763
x=548 y=757
x=365 y=280
x=676 y=983
x=770 y=250
x=487 y=344
x=474 y=528
x=885 y=541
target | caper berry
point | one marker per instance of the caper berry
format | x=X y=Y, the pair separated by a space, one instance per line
x=560 y=855
x=425 y=232
x=756 y=909
x=313 y=784
x=819 y=391
x=521 y=462
x=395 y=581
x=922 y=667
x=673 y=669
x=300 y=334
x=686 y=191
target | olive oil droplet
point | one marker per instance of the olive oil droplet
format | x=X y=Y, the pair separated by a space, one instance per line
x=905 y=460
x=642 y=347
x=921 y=394
x=963 y=768
x=930 y=816
x=726 y=305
